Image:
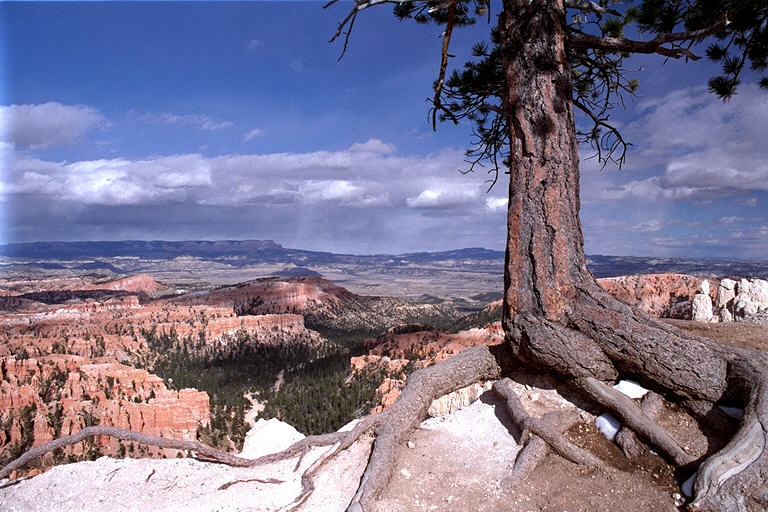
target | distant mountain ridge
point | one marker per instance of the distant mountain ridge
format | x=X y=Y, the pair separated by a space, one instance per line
x=249 y=252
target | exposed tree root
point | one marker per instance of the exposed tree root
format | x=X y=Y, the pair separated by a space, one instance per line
x=631 y=415
x=746 y=450
x=198 y=450
x=626 y=439
x=598 y=339
x=410 y=409
x=539 y=435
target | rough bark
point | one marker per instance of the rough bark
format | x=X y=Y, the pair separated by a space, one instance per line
x=558 y=319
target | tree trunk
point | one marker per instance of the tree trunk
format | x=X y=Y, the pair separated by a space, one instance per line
x=557 y=318
x=545 y=255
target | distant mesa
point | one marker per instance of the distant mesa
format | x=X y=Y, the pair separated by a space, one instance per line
x=120 y=256
x=297 y=272
x=136 y=248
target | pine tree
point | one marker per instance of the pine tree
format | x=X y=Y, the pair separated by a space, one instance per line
x=545 y=59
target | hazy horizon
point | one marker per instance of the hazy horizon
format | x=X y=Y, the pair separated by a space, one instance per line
x=193 y=121
x=501 y=251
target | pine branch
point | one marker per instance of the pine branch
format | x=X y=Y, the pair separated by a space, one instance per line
x=588 y=6
x=436 y=103
x=621 y=44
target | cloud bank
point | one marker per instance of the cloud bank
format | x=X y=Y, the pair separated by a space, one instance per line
x=47 y=125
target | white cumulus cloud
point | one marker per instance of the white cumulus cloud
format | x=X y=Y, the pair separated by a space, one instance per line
x=700 y=148
x=496 y=203
x=48 y=124
x=445 y=198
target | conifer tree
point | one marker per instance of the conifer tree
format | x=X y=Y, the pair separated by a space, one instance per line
x=545 y=59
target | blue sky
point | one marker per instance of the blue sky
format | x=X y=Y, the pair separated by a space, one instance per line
x=236 y=120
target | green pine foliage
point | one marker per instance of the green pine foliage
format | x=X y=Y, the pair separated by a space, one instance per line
x=318 y=394
x=322 y=396
x=600 y=79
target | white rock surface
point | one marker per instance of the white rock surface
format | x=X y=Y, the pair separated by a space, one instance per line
x=705 y=287
x=759 y=292
x=171 y=485
x=745 y=306
x=735 y=301
x=743 y=287
x=458 y=399
x=726 y=291
x=701 y=308
x=269 y=436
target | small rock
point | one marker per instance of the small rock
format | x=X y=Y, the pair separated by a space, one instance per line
x=701 y=308
x=406 y=474
x=411 y=444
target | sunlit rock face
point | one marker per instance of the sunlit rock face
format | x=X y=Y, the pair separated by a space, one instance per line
x=97 y=319
x=418 y=346
x=58 y=395
x=658 y=295
x=701 y=307
x=741 y=300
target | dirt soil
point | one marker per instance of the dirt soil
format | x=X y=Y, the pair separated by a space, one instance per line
x=738 y=334
x=465 y=469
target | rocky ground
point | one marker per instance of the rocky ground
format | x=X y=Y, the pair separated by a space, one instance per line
x=454 y=462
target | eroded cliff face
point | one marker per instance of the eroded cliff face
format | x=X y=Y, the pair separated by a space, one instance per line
x=68 y=347
x=402 y=346
x=57 y=395
x=659 y=295
x=320 y=302
x=114 y=327
x=138 y=283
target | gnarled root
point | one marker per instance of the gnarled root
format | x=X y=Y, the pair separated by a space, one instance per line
x=410 y=409
x=599 y=339
x=198 y=450
x=626 y=439
x=633 y=417
x=539 y=435
x=742 y=464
